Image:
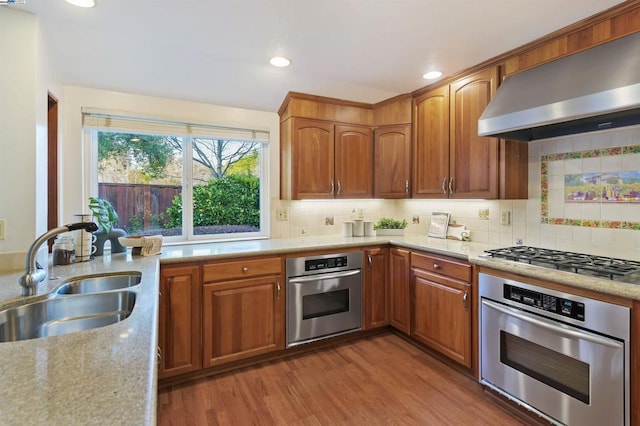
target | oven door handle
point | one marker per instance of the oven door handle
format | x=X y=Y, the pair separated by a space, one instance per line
x=549 y=325
x=324 y=276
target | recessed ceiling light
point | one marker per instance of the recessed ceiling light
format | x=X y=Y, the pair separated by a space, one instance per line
x=82 y=3
x=431 y=75
x=280 y=61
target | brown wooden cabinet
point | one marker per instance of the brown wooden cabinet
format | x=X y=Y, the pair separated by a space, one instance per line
x=376 y=287
x=321 y=159
x=441 y=315
x=179 y=333
x=473 y=159
x=450 y=160
x=243 y=309
x=431 y=144
x=399 y=295
x=392 y=161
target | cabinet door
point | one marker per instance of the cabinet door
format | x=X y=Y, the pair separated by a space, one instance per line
x=312 y=159
x=242 y=318
x=473 y=159
x=399 y=303
x=392 y=162
x=431 y=144
x=179 y=335
x=442 y=315
x=376 y=288
x=354 y=162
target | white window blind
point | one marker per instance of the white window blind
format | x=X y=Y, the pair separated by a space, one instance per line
x=116 y=122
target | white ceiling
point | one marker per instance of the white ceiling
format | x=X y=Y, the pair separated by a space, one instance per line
x=217 y=51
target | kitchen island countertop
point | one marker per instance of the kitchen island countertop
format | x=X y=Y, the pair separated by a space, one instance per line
x=108 y=375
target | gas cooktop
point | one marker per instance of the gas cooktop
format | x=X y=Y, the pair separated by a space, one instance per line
x=579 y=263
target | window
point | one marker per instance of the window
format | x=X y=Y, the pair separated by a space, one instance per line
x=182 y=181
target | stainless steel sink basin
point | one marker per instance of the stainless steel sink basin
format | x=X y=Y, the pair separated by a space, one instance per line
x=98 y=283
x=63 y=315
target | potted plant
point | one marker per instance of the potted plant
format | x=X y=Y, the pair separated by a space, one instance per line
x=390 y=226
x=104 y=213
x=106 y=217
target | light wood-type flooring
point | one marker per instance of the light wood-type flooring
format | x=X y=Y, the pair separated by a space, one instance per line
x=379 y=380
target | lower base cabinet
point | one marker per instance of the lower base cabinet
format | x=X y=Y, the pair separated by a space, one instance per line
x=241 y=319
x=441 y=316
x=399 y=294
x=179 y=329
x=376 y=288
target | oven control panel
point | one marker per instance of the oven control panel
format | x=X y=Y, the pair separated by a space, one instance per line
x=326 y=263
x=558 y=305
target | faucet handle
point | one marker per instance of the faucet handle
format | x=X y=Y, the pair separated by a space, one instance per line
x=87 y=226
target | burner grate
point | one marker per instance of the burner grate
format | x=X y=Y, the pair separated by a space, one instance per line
x=579 y=263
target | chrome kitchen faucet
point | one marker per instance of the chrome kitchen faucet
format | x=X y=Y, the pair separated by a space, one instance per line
x=34 y=274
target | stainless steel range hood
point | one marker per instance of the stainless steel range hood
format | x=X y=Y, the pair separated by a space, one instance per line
x=591 y=90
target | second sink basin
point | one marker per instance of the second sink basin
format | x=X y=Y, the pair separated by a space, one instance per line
x=98 y=283
x=63 y=315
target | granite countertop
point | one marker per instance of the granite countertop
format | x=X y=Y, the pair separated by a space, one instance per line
x=108 y=375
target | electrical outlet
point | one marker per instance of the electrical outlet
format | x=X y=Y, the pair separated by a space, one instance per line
x=282 y=214
x=506 y=217
x=3 y=229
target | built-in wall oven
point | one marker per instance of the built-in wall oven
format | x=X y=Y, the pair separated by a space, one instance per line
x=324 y=296
x=563 y=356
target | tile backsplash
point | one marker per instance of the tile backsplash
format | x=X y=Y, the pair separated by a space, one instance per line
x=528 y=219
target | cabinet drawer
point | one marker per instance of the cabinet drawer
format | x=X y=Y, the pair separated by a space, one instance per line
x=241 y=269
x=440 y=265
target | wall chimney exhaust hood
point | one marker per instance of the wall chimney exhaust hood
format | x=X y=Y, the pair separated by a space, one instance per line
x=592 y=90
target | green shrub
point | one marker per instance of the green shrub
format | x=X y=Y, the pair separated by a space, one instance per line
x=230 y=200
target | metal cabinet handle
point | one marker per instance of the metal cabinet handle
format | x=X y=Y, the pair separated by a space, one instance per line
x=436 y=266
x=159 y=355
x=465 y=300
x=339 y=188
x=332 y=188
x=245 y=269
x=444 y=185
x=451 y=185
x=369 y=260
x=406 y=187
x=278 y=290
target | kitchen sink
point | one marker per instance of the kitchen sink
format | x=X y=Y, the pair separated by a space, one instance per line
x=99 y=283
x=63 y=315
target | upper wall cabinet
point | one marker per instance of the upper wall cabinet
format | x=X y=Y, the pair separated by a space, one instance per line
x=319 y=159
x=450 y=160
x=392 y=161
x=326 y=148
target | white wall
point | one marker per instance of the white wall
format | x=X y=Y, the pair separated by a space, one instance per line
x=18 y=148
x=76 y=182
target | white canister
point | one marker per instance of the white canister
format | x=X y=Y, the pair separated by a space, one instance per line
x=358 y=228
x=347 y=229
x=368 y=229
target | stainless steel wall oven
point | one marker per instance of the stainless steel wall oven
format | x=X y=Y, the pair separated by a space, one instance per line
x=324 y=296
x=563 y=356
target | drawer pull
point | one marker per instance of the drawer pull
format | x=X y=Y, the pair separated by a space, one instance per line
x=245 y=269
x=436 y=266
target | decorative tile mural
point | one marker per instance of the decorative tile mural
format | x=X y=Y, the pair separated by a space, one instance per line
x=559 y=188
x=616 y=187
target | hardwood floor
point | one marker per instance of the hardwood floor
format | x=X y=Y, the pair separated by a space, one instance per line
x=381 y=380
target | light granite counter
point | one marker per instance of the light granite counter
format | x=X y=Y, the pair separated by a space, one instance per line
x=108 y=375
